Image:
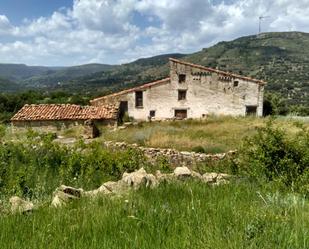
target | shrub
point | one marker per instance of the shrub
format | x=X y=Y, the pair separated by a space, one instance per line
x=36 y=166
x=272 y=155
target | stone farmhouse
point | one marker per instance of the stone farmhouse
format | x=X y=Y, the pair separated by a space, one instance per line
x=55 y=117
x=191 y=91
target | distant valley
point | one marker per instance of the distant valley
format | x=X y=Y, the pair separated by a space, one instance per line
x=281 y=59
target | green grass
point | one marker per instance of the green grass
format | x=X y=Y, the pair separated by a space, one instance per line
x=214 y=134
x=178 y=215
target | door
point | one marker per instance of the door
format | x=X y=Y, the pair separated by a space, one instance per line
x=123 y=112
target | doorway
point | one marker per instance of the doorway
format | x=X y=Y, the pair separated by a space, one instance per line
x=123 y=112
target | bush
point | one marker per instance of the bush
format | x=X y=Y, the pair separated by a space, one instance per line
x=274 y=156
x=35 y=167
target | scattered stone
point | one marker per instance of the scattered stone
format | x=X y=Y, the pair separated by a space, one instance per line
x=117 y=188
x=164 y=177
x=99 y=191
x=182 y=173
x=64 y=194
x=196 y=175
x=19 y=205
x=210 y=177
x=139 y=178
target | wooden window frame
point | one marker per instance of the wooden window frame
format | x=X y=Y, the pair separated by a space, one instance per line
x=139 y=99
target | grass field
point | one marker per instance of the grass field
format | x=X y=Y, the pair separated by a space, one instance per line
x=214 y=134
x=178 y=215
x=266 y=206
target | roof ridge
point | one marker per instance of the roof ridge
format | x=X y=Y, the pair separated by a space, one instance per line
x=218 y=71
x=145 y=85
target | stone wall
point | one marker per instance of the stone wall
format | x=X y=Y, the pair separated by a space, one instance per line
x=174 y=157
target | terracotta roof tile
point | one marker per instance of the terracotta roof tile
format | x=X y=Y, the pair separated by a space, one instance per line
x=44 y=112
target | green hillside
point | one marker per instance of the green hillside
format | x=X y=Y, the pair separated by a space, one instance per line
x=282 y=59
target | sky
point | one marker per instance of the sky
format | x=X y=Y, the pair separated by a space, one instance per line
x=74 y=32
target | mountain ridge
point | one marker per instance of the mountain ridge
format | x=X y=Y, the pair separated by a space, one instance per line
x=280 y=58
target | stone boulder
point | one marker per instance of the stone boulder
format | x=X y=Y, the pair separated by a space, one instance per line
x=139 y=178
x=64 y=194
x=99 y=191
x=210 y=177
x=216 y=178
x=164 y=177
x=182 y=173
x=117 y=188
x=19 y=205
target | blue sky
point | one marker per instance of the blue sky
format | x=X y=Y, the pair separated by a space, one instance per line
x=18 y=10
x=71 y=32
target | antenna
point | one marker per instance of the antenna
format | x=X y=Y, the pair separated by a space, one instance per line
x=260 y=22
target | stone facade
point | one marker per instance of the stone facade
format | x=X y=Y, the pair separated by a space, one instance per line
x=191 y=91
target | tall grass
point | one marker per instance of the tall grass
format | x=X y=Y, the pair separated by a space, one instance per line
x=177 y=215
x=213 y=135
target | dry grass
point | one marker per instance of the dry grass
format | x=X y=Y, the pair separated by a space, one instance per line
x=213 y=135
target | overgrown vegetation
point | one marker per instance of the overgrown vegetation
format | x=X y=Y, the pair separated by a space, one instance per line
x=265 y=207
x=34 y=167
x=177 y=215
x=212 y=135
x=273 y=155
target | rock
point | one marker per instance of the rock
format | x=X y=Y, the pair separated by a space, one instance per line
x=223 y=179
x=216 y=178
x=100 y=191
x=139 y=178
x=164 y=177
x=64 y=194
x=117 y=188
x=182 y=172
x=210 y=177
x=196 y=175
x=20 y=205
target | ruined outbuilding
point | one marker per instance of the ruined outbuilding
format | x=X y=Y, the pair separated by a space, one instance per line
x=54 y=117
x=191 y=91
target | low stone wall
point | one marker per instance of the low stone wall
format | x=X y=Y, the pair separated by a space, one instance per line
x=174 y=157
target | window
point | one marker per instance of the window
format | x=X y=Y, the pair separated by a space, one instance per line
x=236 y=82
x=152 y=113
x=180 y=114
x=139 y=99
x=181 y=78
x=182 y=94
x=251 y=110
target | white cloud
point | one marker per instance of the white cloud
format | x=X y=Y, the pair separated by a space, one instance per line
x=107 y=31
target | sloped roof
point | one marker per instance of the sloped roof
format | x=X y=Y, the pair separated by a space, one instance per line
x=142 y=87
x=44 y=112
x=223 y=73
